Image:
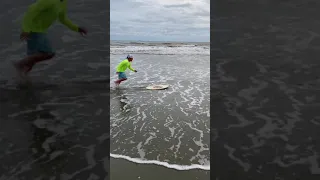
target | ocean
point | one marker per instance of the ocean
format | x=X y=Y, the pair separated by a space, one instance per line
x=167 y=128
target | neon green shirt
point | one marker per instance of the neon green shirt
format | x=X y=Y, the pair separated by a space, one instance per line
x=43 y=13
x=122 y=67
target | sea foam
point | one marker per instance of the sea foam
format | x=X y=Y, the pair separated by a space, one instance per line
x=165 y=164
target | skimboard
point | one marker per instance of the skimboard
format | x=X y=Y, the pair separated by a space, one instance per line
x=157 y=87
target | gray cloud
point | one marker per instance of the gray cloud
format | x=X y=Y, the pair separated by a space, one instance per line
x=160 y=19
x=178 y=5
x=204 y=13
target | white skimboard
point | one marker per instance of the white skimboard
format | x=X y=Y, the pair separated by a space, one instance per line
x=158 y=87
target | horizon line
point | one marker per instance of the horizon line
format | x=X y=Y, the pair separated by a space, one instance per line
x=158 y=41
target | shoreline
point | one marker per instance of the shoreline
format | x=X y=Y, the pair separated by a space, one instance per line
x=162 y=164
x=122 y=169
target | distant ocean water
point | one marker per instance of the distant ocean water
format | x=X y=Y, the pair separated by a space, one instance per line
x=160 y=48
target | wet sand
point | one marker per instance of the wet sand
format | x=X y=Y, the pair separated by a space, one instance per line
x=123 y=169
x=265 y=121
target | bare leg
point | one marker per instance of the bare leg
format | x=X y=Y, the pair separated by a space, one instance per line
x=25 y=65
x=122 y=80
x=119 y=81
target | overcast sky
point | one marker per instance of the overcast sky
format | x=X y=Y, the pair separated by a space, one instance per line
x=156 y=20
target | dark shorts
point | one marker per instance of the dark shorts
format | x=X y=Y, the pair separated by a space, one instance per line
x=122 y=75
x=38 y=42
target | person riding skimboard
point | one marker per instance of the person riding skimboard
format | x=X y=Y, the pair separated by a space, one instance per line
x=122 y=67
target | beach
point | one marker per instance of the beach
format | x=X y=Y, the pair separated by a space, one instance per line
x=167 y=131
x=266 y=83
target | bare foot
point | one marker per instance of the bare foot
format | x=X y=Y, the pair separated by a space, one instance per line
x=21 y=70
x=17 y=67
x=117 y=83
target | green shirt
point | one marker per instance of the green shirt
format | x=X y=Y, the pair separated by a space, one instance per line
x=122 y=67
x=43 y=13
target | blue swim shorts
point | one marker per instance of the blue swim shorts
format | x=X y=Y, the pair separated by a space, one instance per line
x=38 y=42
x=122 y=75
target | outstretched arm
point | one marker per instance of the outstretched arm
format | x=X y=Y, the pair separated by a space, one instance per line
x=33 y=11
x=131 y=68
x=65 y=20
